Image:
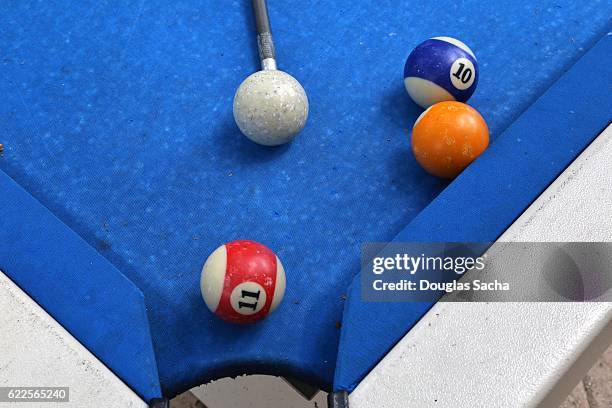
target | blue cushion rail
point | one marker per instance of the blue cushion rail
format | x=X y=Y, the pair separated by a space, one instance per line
x=486 y=198
x=117 y=117
x=93 y=301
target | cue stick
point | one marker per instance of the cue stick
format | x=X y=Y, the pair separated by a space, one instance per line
x=264 y=35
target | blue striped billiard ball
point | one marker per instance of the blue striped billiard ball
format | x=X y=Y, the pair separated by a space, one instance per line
x=440 y=69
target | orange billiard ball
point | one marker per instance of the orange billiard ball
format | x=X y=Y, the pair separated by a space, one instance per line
x=447 y=137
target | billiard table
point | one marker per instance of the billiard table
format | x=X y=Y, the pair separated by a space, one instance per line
x=122 y=167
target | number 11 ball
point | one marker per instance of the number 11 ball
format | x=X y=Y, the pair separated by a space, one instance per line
x=440 y=69
x=242 y=281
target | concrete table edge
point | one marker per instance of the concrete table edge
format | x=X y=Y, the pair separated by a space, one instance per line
x=510 y=354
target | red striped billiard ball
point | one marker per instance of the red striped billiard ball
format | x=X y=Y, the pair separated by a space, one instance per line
x=242 y=281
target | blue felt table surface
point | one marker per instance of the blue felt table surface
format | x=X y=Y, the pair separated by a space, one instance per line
x=117 y=117
x=487 y=197
x=68 y=278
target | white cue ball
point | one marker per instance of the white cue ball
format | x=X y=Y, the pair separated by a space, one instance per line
x=270 y=107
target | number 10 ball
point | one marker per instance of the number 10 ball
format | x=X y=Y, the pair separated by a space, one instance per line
x=242 y=281
x=440 y=69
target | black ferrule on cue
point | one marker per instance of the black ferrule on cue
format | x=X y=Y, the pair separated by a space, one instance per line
x=264 y=35
x=338 y=399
